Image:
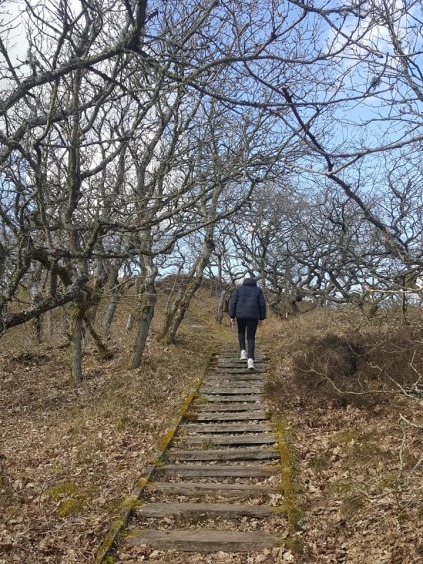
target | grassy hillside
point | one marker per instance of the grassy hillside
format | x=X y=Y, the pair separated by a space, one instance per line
x=69 y=455
x=349 y=391
x=342 y=387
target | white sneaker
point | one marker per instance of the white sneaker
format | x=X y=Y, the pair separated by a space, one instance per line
x=250 y=364
x=243 y=355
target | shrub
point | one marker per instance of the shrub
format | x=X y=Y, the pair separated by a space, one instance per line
x=360 y=368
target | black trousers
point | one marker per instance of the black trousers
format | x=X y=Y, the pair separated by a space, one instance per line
x=249 y=325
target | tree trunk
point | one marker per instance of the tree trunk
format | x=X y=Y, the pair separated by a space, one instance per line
x=181 y=307
x=116 y=291
x=225 y=296
x=36 y=296
x=49 y=331
x=148 y=298
x=133 y=314
x=110 y=311
x=147 y=315
x=37 y=329
x=176 y=313
x=77 y=317
x=102 y=350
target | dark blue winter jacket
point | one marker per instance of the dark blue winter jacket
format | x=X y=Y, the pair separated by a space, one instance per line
x=248 y=301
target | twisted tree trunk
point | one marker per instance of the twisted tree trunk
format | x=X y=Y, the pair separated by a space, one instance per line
x=176 y=312
x=147 y=300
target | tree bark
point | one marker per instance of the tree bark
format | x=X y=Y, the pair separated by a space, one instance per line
x=176 y=314
x=77 y=317
x=148 y=298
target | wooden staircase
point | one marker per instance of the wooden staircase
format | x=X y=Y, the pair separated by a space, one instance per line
x=216 y=486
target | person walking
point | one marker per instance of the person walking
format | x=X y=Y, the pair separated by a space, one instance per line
x=248 y=309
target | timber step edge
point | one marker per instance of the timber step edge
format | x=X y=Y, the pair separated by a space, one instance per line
x=193 y=428
x=261 y=439
x=215 y=470
x=213 y=407
x=211 y=489
x=223 y=455
x=223 y=510
x=225 y=416
x=203 y=540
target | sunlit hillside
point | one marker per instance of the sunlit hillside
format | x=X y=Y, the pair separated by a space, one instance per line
x=345 y=388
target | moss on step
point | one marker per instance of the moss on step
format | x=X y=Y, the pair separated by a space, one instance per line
x=287 y=485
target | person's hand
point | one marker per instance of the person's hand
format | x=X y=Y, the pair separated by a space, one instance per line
x=261 y=322
x=232 y=322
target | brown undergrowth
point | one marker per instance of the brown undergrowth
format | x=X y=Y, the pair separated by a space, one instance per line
x=69 y=456
x=346 y=388
x=351 y=390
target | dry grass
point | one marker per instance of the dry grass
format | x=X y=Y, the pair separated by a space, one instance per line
x=70 y=455
x=350 y=389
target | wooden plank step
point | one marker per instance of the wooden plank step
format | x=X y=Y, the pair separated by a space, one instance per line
x=261 y=439
x=236 y=362
x=194 y=428
x=212 y=407
x=224 y=391
x=216 y=470
x=223 y=416
x=235 y=372
x=203 y=540
x=234 y=356
x=234 y=378
x=226 y=398
x=224 y=510
x=239 y=364
x=222 y=455
x=230 y=383
x=201 y=489
x=224 y=383
x=242 y=371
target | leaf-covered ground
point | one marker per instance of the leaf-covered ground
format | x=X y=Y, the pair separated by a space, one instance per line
x=357 y=456
x=68 y=456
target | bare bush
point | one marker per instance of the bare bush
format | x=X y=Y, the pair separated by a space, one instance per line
x=363 y=369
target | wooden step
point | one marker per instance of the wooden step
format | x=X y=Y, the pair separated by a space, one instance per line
x=212 y=407
x=240 y=370
x=223 y=416
x=224 y=391
x=215 y=398
x=194 y=428
x=203 y=540
x=222 y=455
x=223 y=510
x=233 y=356
x=201 y=489
x=230 y=383
x=260 y=439
x=260 y=369
x=229 y=363
x=250 y=378
x=239 y=374
x=215 y=470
